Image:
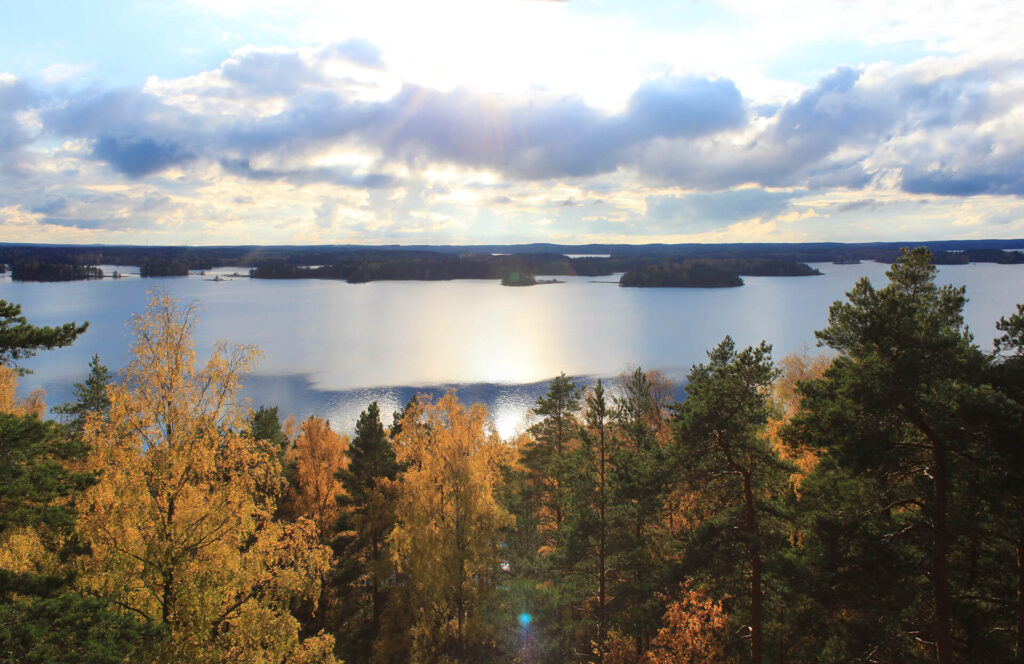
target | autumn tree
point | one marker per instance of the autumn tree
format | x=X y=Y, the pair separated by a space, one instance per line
x=722 y=450
x=179 y=527
x=319 y=454
x=446 y=542
x=793 y=370
x=367 y=516
x=695 y=631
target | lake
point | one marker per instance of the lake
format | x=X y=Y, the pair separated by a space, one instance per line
x=331 y=347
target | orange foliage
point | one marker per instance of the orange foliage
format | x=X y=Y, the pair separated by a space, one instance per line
x=621 y=649
x=319 y=454
x=33 y=404
x=795 y=367
x=695 y=632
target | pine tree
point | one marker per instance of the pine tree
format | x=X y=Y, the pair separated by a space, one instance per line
x=361 y=545
x=41 y=613
x=20 y=340
x=904 y=416
x=724 y=455
x=90 y=397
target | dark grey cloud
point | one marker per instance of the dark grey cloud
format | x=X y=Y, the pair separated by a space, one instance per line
x=140 y=156
x=707 y=211
x=1009 y=180
x=864 y=204
x=345 y=177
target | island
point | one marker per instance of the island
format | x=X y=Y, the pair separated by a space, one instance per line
x=711 y=273
x=44 y=271
x=163 y=268
x=516 y=279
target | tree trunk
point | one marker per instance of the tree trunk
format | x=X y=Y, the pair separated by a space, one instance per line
x=753 y=547
x=602 y=571
x=940 y=569
x=1020 y=582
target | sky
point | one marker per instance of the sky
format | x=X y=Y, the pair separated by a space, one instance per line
x=494 y=122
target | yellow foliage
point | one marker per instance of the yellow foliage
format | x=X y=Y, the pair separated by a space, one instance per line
x=695 y=632
x=795 y=367
x=291 y=427
x=319 y=453
x=33 y=404
x=180 y=524
x=447 y=538
x=23 y=551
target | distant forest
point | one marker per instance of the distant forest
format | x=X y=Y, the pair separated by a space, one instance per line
x=861 y=506
x=687 y=265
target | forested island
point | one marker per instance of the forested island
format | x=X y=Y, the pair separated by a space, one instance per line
x=360 y=264
x=42 y=271
x=712 y=273
x=862 y=506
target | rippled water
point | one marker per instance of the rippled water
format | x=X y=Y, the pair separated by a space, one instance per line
x=330 y=347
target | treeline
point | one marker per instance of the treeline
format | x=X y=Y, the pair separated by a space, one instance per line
x=40 y=271
x=395 y=262
x=862 y=507
x=431 y=266
x=167 y=267
x=684 y=274
x=712 y=273
x=639 y=271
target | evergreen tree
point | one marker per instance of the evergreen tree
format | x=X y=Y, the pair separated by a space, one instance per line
x=724 y=455
x=906 y=413
x=637 y=483
x=539 y=497
x=367 y=518
x=90 y=397
x=20 y=340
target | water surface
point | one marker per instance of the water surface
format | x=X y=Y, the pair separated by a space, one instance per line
x=331 y=347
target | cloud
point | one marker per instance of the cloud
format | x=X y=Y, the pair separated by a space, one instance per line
x=138 y=157
x=707 y=211
x=1009 y=180
x=344 y=177
x=15 y=96
x=357 y=51
x=685 y=106
x=271 y=73
x=934 y=121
